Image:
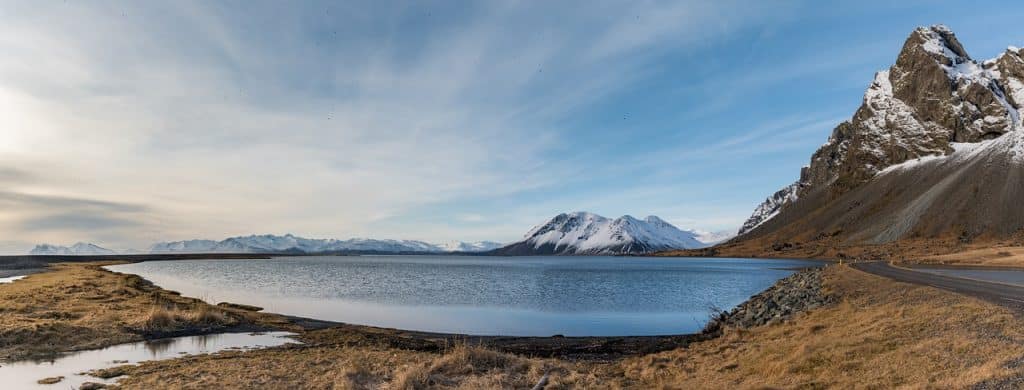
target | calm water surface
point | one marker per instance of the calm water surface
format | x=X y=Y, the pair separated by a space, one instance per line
x=522 y=296
x=11 y=279
x=24 y=374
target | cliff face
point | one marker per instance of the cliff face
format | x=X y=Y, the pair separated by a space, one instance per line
x=934 y=99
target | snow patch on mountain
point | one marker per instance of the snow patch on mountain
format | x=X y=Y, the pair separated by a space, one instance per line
x=1010 y=145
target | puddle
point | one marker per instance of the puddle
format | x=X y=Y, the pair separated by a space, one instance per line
x=24 y=374
x=11 y=279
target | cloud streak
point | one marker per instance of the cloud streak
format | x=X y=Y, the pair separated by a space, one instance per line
x=207 y=113
x=128 y=123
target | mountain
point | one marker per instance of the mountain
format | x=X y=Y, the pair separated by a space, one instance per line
x=936 y=150
x=77 y=249
x=711 y=238
x=583 y=233
x=459 y=246
x=269 y=243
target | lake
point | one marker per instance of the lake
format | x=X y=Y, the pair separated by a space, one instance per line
x=480 y=295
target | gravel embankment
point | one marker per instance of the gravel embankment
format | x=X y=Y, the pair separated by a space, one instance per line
x=794 y=294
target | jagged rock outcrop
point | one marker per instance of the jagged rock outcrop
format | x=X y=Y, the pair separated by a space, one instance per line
x=932 y=98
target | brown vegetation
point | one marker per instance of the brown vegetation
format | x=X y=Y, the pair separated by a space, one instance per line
x=882 y=334
x=950 y=250
x=998 y=256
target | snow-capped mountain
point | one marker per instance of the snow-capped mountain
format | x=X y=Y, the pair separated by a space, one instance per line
x=269 y=243
x=582 y=233
x=711 y=238
x=78 y=249
x=459 y=246
x=934 y=150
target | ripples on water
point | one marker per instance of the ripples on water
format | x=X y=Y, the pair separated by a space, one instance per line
x=535 y=296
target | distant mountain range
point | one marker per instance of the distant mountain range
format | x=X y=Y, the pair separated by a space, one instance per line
x=566 y=234
x=288 y=243
x=584 y=233
x=81 y=248
x=935 y=151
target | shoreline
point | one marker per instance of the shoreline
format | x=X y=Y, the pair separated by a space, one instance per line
x=592 y=348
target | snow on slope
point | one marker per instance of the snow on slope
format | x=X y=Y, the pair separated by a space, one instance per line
x=589 y=233
x=78 y=249
x=771 y=207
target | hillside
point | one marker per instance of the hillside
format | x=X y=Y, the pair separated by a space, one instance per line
x=934 y=153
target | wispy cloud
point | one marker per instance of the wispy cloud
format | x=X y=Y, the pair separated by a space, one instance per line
x=410 y=120
x=225 y=124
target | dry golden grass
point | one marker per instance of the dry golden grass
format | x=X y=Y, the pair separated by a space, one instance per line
x=1001 y=256
x=883 y=334
x=81 y=306
x=949 y=249
x=336 y=367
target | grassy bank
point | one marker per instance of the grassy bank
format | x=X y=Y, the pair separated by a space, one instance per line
x=880 y=334
x=82 y=306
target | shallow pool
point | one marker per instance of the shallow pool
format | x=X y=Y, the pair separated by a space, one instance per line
x=25 y=374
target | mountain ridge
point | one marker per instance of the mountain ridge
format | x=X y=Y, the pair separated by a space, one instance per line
x=586 y=233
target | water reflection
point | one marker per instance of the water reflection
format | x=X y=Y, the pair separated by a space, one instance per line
x=10 y=279
x=24 y=374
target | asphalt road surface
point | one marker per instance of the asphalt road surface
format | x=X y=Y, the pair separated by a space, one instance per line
x=1002 y=294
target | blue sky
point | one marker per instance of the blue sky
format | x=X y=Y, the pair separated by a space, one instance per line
x=136 y=122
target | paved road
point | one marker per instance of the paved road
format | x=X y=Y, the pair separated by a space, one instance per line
x=1003 y=294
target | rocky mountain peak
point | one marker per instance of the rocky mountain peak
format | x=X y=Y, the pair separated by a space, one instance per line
x=938 y=42
x=933 y=96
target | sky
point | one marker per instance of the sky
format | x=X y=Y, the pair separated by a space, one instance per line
x=128 y=123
